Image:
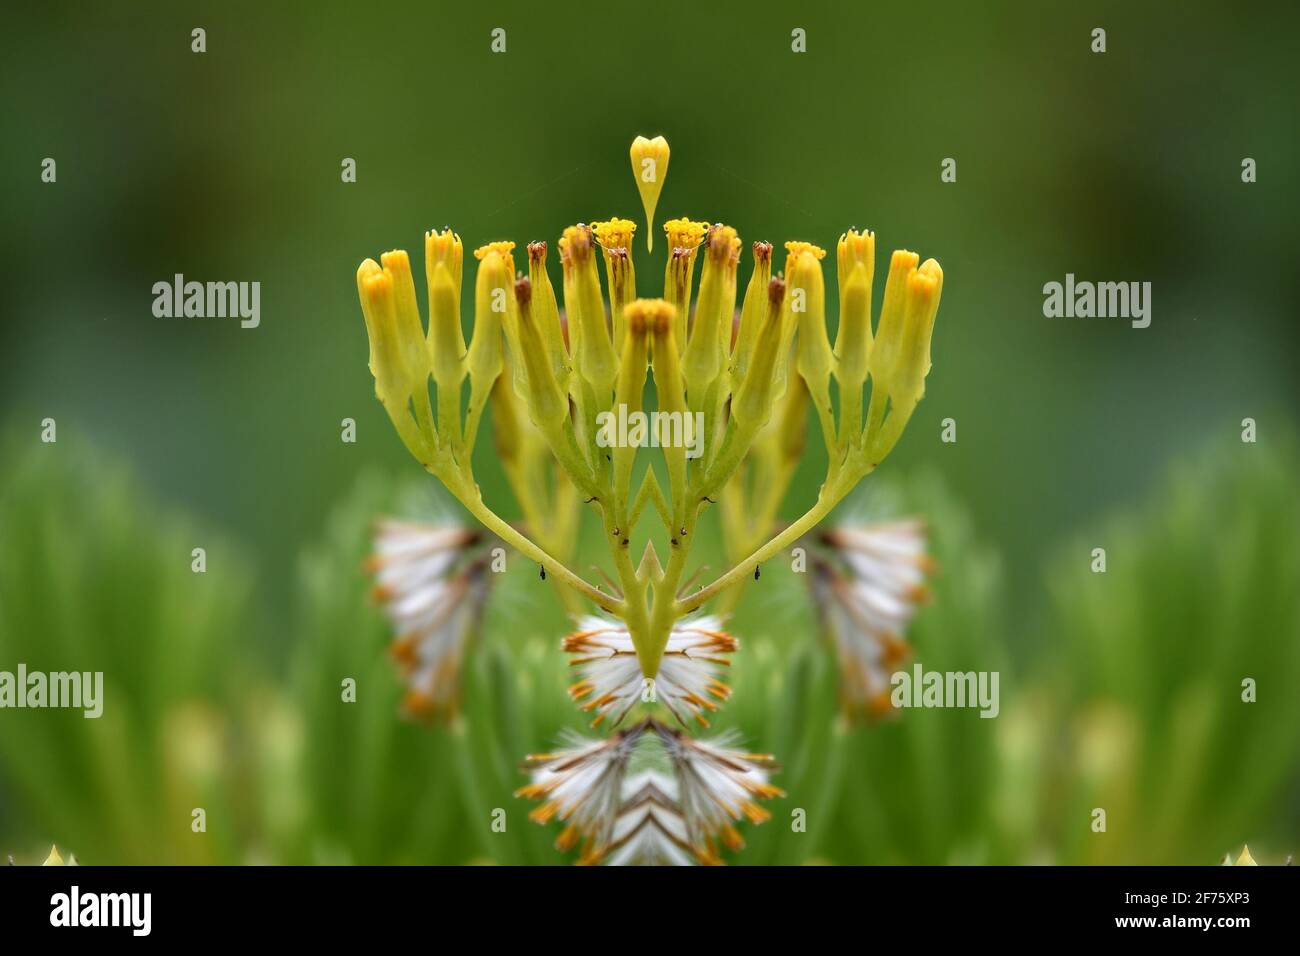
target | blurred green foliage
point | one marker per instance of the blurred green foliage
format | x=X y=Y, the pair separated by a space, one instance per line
x=1134 y=704
x=95 y=578
x=1200 y=595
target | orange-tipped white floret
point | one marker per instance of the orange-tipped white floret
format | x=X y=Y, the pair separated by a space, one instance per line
x=718 y=785
x=868 y=589
x=582 y=785
x=433 y=584
x=611 y=680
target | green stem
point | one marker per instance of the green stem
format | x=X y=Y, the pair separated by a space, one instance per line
x=833 y=491
x=473 y=501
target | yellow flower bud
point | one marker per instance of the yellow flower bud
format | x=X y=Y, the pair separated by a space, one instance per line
x=547 y=311
x=410 y=329
x=853 y=339
x=446 y=339
x=793 y=424
x=507 y=429
x=803 y=277
x=643 y=316
x=702 y=362
x=856 y=256
x=494 y=309
x=921 y=306
x=395 y=381
x=900 y=357
x=889 y=332
x=594 y=357
x=444 y=247
x=547 y=404
x=855 y=249
x=753 y=310
x=671 y=394
x=650 y=167
x=569 y=277
x=751 y=406
x=375 y=288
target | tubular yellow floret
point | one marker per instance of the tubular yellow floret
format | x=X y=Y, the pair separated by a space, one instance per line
x=546 y=310
x=493 y=294
x=815 y=360
x=444 y=247
x=547 y=405
x=922 y=305
x=853 y=350
x=375 y=288
x=702 y=362
x=594 y=355
x=671 y=393
x=889 y=332
x=752 y=310
x=853 y=341
x=409 y=327
x=615 y=239
x=642 y=316
x=684 y=238
x=752 y=405
x=649 y=166
x=856 y=248
x=446 y=340
x=855 y=262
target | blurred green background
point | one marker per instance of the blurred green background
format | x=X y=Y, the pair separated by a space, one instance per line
x=1118 y=690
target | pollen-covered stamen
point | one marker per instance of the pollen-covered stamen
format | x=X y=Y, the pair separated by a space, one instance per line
x=795 y=248
x=502 y=247
x=612 y=682
x=685 y=234
x=614 y=233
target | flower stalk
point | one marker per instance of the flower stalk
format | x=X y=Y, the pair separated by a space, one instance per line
x=728 y=423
